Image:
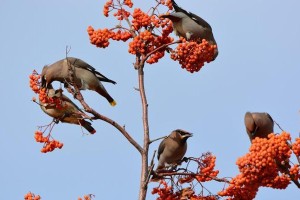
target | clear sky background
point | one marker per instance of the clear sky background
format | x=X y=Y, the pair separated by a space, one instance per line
x=257 y=70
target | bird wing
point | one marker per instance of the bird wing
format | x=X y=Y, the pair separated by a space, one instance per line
x=193 y=16
x=67 y=99
x=81 y=64
x=161 y=148
x=251 y=126
x=269 y=116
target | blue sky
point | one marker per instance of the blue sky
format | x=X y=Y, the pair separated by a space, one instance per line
x=257 y=70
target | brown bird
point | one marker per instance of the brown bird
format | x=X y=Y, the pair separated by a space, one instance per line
x=191 y=26
x=68 y=112
x=261 y=125
x=258 y=124
x=85 y=76
x=172 y=149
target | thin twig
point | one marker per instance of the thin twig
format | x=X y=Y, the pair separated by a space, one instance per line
x=278 y=125
x=163 y=174
x=159 y=48
x=157 y=139
x=151 y=168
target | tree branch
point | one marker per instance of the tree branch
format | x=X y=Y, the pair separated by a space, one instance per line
x=77 y=94
x=158 y=48
x=144 y=171
x=163 y=174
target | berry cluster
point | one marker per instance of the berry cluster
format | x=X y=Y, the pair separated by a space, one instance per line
x=128 y=3
x=87 y=197
x=106 y=7
x=192 y=55
x=295 y=172
x=101 y=37
x=296 y=147
x=261 y=166
x=140 y=19
x=109 y=4
x=31 y=196
x=121 y=14
x=205 y=172
x=206 y=167
x=35 y=85
x=146 y=43
x=49 y=145
x=167 y=3
x=164 y=191
x=34 y=81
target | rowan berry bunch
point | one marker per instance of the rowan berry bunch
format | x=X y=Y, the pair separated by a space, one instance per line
x=34 y=82
x=206 y=167
x=167 y=3
x=266 y=165
x=31 y=196
x=204 y=172
x=165 y=191
x=149 y=33
x=50 y=144
x=87 y=197
x=35 y=85
x=110 y=5
x=296 y=147
x=192 y=55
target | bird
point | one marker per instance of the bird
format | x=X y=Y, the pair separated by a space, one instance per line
x=68 y=112
x=172 y=149
x=258 y=124
x=85 y=76
x=261 y=124
x=191 y=26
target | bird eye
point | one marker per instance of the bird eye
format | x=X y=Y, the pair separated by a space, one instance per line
x=181 y=133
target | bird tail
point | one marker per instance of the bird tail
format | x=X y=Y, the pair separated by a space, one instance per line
x=105 y=94
x=113 y=103
x=176 y=7
x=87 y=126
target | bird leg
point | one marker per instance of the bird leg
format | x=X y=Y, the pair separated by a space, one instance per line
x=55 y=120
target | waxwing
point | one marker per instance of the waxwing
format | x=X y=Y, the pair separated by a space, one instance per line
x=172 y=149
x=85 y=76
x=258 y=124
x=68 y=112
x=191 y=26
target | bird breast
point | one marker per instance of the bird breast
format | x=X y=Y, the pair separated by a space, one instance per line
x=174 y=153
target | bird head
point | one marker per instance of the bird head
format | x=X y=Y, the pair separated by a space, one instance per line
x=182 y=134
x=174 y=17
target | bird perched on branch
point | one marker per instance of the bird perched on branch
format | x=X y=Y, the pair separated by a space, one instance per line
x=191 y=26
x=258 y=124
x=172 y=149
x=85 y=76
x=68 y=112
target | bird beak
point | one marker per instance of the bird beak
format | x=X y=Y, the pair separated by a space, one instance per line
x=43 y=82
x=190 y=135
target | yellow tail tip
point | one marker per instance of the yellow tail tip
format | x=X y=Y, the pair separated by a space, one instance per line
x=113 y=103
